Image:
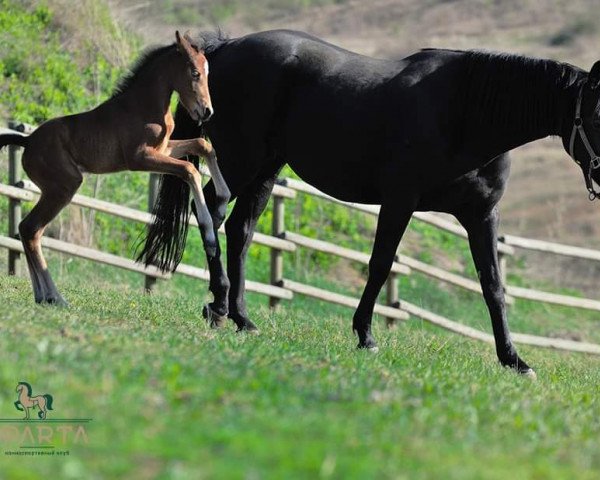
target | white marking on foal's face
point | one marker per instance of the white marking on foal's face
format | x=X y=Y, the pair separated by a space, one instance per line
x=206 y=68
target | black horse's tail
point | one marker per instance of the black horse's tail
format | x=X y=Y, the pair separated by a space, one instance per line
x=166 y=237
x=49 y=401
x=13 y=139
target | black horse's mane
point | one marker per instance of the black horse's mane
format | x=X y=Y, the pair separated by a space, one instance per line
x=500 y=85
x=211 y=41
x=29 y=391
x=146 y=58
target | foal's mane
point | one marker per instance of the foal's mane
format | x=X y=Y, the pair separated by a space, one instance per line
x=144 y=60
x=206 y=41
x=501 y=85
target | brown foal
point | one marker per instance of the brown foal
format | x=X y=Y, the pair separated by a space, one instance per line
x=130 y=131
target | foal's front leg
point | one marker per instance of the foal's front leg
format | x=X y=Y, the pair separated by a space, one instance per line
x=215 y=313
x=200 y=147
x=150 y=159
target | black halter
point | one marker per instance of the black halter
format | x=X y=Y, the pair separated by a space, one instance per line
x=594 y=158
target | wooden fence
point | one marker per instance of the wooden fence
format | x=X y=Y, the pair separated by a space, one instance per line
x=281 y=241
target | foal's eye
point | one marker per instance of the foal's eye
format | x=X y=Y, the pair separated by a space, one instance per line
x=195 y=74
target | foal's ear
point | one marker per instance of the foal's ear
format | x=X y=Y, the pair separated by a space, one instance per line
x=594 y=77
x=183 y=43
x=178 y=40
x=191 y=42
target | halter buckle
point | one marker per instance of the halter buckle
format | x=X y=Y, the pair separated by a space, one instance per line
x=578 y=122
x=595 y=163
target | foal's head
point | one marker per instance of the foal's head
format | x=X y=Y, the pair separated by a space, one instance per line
x=191 y=82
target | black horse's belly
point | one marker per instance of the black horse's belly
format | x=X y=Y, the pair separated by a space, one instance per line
x=353 y=182
x=479 y=189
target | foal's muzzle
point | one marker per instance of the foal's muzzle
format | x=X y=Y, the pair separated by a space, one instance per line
x=203 y=115
x=208 y=113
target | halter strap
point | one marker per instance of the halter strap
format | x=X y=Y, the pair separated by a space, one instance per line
x=594 y=158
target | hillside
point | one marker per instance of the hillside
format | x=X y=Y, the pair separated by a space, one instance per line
x=546 y=197
x=86 y=50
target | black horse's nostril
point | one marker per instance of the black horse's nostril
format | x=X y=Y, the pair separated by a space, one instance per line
x=207 y=114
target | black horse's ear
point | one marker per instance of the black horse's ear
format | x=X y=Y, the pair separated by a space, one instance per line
x=594 y=77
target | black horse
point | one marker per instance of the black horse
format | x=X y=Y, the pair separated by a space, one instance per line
x=428 y=132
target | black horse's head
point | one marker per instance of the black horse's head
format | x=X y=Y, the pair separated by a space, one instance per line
x=583 y=140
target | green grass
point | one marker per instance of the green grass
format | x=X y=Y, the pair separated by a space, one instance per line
x=171 y=399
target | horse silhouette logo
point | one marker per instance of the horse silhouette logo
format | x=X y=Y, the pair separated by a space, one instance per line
x=26 y=401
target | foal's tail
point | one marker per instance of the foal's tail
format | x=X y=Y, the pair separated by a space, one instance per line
x=13 y=139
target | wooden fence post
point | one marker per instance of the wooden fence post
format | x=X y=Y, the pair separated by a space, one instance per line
x=14 y=206
x=150 y=281
x=392 y=300
x=278 y=229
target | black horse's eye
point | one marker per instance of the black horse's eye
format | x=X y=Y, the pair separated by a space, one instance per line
x=596 y=123
x=195 y=74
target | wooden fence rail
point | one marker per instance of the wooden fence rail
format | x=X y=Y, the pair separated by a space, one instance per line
x=281 y=241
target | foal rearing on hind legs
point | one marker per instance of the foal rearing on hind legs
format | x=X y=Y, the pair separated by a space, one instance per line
x=130 y=131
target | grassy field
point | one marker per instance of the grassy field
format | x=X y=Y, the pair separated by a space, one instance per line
x=171 y=399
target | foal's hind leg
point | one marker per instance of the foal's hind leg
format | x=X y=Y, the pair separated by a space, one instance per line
x=31 y=230
x=58 y=184
x=482 y=228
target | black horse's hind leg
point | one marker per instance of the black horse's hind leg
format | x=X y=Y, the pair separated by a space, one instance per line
x=240 y=228
x=392 y=222
x=482 y=229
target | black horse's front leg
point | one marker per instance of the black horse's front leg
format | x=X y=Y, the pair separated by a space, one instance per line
x=215 y=312
x=483 y=230
x=239 y=229
x=393 y=220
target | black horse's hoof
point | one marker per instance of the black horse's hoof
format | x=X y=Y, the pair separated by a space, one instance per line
x=519 y=366
x=55 y=301
x=249 y=328
x=373 y=349
x=369 y=346
x=529 y=373
x=213 y=319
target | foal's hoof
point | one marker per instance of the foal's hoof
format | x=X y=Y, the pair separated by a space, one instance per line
x=213 y=319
